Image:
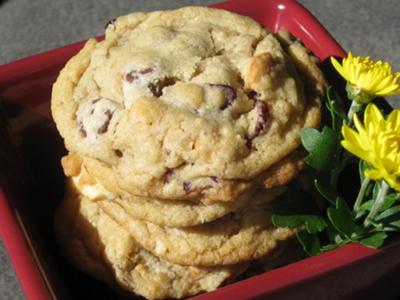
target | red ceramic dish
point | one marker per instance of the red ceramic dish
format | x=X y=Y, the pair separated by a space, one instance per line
x=32 y=185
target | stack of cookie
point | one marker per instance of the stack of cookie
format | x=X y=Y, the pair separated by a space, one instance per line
x=182 y=126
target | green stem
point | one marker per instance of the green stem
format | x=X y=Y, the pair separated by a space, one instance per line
x=339 y=168
x=380 y=198
x=354 y=108
x=334 y=177
x=361 y=193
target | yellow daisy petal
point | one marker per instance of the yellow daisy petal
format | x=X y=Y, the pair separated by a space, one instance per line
x=356 y=151
x=382 y=84
x=371 y=78
x=394 y=119
x=372 y=115
x=352 y=137
x=389 y=90
x=377 y=142
x=338 y=67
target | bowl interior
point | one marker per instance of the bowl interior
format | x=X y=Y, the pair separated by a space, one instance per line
x=31 y=146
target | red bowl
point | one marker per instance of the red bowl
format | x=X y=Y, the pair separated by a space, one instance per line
x=32 y=186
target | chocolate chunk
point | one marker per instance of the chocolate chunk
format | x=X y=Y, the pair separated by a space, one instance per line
x=157 y=85
x=253 y=95
x=104 y=127
x=261 y=124
x=118 y=153
x=230 y=94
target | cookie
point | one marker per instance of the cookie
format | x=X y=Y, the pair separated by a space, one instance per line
x=220 y=191
x=99 y=246
x=183 y=104
x=78 y=239
x=285 y=170
x=184 y=213
x=241 y=236
x=162 y=212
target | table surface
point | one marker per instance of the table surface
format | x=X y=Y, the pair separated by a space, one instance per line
x=368 y=27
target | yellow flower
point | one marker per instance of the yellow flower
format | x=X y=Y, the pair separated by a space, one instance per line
x=367 y=77
x=378 y=143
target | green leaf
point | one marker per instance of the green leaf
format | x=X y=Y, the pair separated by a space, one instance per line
x=296 y=208
x=364 y=208
x=359 y=230
x=328 y=247
x=387 y=203
x=374 y=240
x=390 y=199
x=360 y=214
x=367 y=205
x=335 y=102
x=309 y=242
x=341 y=218
x=325 y=149
x=390 y=218
x=339 y=239
x=327 y=191
x=331 y=233
x=336 y=109
x=309 y=137
x=313 y=223
x=388 y=213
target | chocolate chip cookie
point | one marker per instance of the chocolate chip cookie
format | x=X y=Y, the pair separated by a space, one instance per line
x=99 y=246
x=195 y=102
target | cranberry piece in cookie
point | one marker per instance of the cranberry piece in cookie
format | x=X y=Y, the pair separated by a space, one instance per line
x=168 y=175
x=94 y=117
x=230 y=94
x=134 y=74
x=187 y=186
x=262 y=121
